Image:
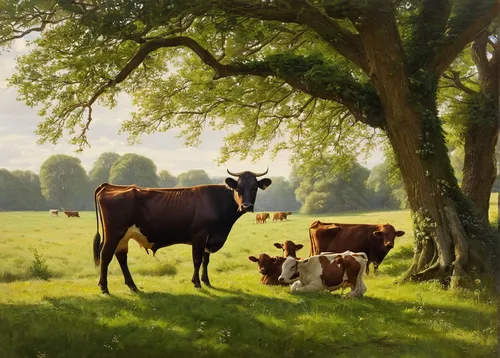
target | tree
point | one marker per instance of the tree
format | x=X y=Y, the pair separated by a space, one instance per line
x=378 y=182
x=325 y=193
x=166 y=180
x=193 y=177
x=473 y=116
x=279 y=197
x=30 y=190
x=64 y=181
x=10 y=198
x=102 y=166
x=333 y=74
x=134 y=169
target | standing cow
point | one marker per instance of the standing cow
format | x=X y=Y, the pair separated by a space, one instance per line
x=201 y=216
x=375 y=240
x=54 y=212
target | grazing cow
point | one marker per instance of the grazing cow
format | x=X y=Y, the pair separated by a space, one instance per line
x=258 y=218
x=54 y=212
x=289 y=248
x=279 y=216
x=201 y=216
x=329 y=271
x=264 y=217
x=72 y=214
x=270 y=268
x=375 y=240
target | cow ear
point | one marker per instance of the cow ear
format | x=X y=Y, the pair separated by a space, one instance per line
x=278 y=245
x=231 y=183
x=378 y=234
x=399 y=233
x=274 y=259
x=253 y=258
x=264 y=183
x=298 y=247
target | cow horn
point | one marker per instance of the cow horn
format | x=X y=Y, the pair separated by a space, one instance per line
x=234 y=174
x=261 y=174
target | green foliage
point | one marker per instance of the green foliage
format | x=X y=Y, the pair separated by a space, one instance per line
x=193 y=177
x=102 y=166
x=39 y=268
x=20 y=191
x=278 y=197
x=134 y=169
x=64 y=181
x=166 y=180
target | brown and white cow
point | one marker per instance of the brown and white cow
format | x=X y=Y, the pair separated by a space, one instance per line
x=375 y=240
x=329 y=271
x=72 y=214
x=270 y=268
x=289 y=248
x=54 y=212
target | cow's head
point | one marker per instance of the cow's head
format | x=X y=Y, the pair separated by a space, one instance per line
x=289 y=248
x=388 y=234
x=245 y=188
x=290 y=270
x=264 y=261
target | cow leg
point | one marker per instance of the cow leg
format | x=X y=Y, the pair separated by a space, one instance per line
x=204 y=273
x=106 y=257
x=308 y=288
x=121 y=256
x=198 y=252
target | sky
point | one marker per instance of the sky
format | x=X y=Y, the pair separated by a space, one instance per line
x=19 y=148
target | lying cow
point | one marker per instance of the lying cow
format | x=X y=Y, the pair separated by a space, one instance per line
x=72 y=214
x=54 y=212
x=270 y=268
x=289 y=248
x=375 y=240
x=329 y=271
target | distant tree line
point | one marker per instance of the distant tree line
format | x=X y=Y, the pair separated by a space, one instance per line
x=64 y=184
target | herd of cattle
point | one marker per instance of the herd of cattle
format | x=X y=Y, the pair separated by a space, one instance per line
x=203 y=216
x=339 y=256
x=261 y=218
x=69 y=214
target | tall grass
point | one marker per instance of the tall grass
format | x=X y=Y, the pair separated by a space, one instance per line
x=66 y=316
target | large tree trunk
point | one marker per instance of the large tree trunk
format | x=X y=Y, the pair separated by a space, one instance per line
x=482 y=129
x=443 y=220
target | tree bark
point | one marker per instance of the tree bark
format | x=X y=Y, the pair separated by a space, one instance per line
x=481 y=134
x=443 y=249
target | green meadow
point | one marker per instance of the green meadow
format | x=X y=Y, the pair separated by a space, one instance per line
x=50 y=305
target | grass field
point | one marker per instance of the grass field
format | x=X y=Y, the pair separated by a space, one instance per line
x=67 y=316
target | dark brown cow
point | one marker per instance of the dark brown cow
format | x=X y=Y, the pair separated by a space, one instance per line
x=201 y=216
x=374 y=240
x=289 y=248
x=270 y=268
x=72 y=214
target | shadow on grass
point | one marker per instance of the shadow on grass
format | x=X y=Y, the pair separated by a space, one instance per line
x=227 y=323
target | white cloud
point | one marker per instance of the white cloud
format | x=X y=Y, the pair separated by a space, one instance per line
x=19 y=148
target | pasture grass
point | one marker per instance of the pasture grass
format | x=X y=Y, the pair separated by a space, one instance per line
x=66 y=316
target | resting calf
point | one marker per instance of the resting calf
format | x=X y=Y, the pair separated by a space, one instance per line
x=329 y=271
x=270 y=268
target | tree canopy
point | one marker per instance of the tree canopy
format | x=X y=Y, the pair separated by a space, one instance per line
x=134 y=169
x=102 y=167
x=193 y=177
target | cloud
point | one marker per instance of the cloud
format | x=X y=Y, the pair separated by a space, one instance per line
x=20 y=150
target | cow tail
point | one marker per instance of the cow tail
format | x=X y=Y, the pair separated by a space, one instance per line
x=97 y=237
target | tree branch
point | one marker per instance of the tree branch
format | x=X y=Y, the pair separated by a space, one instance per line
x=455 y=43
x=341 y=40
x=457 y=82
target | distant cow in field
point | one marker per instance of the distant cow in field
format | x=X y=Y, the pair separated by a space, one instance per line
x=54 y=212
x=279 y=216
x=270 y=268
x=264 y=217
x=329 y=271
x=72 y=214
x=258 y=218
x=374 y=240
x=289 y=248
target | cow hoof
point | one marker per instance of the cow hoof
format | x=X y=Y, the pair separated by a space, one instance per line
x=207 y=283
x=135 y=290
x=104 y=290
